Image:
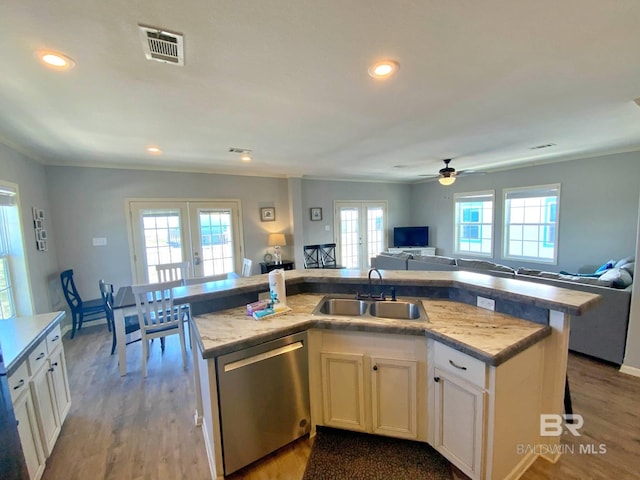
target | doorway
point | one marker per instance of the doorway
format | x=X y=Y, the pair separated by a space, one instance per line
x=361 y=228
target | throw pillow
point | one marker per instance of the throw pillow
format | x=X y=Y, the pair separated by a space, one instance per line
x=606 y=266
x=629 y=267
x=624 y=261
x=619 y=278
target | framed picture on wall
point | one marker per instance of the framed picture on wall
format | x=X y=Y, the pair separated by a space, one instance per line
x=267 y=214
x=316 y=214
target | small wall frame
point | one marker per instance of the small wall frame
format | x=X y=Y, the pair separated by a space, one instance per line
x=267 y=214
x=315 y=214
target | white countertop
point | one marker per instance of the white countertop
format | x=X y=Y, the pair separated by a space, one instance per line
x=18 y=336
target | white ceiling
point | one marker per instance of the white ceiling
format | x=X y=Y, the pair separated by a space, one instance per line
x=479 y=81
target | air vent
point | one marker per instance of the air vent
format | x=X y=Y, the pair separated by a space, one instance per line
x=162 y=46
x=539 y=147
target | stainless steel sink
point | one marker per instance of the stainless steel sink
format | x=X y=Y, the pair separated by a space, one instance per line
x=400 y=310
x=342 y=306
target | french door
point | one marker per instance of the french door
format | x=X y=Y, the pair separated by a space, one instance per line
x=207 y=234
x=361 y=228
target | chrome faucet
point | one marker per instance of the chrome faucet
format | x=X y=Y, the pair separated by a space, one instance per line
x=381 y=296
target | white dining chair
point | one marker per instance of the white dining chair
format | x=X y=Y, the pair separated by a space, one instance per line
x=246 y=267
x=158 y=316
x=168 y=272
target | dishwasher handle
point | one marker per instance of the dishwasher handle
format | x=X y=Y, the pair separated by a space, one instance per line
x=244 y=362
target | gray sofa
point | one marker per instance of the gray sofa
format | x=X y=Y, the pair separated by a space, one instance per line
x=600 y=333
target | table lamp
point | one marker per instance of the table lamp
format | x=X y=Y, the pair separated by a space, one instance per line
x=277 y=240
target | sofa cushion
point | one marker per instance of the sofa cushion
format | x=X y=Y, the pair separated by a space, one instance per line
x=484 y=265
x=435 y=259
x=528 y=271
x=624 y=261
x=402 y=255
x=629 y=267
x=619 y=277
x=586 y=280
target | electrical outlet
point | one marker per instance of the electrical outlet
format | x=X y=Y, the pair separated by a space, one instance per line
x=487 y=303
x=327 y=228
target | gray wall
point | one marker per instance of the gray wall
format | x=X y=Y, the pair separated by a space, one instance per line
x=90 y=202
x=322 y=193
x=598 y=208
x=43 y=269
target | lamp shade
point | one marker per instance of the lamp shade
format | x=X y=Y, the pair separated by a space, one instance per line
x=447 y=180
x=277 y=240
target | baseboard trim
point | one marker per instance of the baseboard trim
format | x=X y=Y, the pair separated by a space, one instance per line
x=629 y=370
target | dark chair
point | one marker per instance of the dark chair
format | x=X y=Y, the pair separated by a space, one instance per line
x=328 y=255
x=312 y=256
x=131 y=323
x=80 y=310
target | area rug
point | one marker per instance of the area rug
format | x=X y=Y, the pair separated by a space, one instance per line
x=341 y=454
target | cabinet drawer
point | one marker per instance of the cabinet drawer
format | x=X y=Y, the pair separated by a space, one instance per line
x=38 y=357
x=54 y=338
x=464 y=366
x=19 y=381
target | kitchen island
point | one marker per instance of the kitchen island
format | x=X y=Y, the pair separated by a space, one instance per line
x=473 y=382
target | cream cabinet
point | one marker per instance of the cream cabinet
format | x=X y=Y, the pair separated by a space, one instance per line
x=371 y=387
x=459 y=392
x=27 y=422
x=41 y=400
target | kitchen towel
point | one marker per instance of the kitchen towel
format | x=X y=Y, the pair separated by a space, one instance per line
x=277 y=288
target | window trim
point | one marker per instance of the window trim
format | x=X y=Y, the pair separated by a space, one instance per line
x=505 y=225
x=458 y=197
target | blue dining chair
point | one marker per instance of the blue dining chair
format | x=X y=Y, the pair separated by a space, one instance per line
x=131 y=323
x=80 y=310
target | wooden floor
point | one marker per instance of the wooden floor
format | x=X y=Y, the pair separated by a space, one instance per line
x=123 y=428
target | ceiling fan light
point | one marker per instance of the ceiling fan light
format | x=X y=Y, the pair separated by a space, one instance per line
x=446 y=181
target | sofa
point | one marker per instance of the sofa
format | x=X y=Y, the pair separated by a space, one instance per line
x=599 y=333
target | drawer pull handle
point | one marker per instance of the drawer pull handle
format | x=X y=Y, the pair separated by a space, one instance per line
x=20 y=384
x=50 y=369
x=40 y=357
x=54 y=364
x=436 y=379
x=460 y=367
x=57 y=337
x=375 y=367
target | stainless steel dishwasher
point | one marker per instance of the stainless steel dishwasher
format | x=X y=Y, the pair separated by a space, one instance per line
x=264 y=399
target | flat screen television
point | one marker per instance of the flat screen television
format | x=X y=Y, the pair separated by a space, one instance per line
x=411 y=236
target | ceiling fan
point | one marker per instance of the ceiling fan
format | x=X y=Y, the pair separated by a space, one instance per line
x=448 y=175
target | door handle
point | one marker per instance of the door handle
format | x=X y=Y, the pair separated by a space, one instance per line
x=196 y=258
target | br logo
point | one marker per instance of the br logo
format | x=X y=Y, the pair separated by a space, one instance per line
x=553 y=425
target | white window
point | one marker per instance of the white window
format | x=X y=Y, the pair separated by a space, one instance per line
x=531 y=223
x=474 y=223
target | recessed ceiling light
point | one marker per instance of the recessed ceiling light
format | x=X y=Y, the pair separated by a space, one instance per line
x=245 y=157
x=154 y=150
x=383 y=69
x=55 y=60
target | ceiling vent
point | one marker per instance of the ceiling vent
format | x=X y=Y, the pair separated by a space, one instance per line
x=162 y=46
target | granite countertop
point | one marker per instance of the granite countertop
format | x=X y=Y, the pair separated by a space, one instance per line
x=545 y=296
x=20 y=335
x=489 y=336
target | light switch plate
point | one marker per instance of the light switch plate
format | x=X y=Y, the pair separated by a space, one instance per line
x=487 y=303
x=327 y=228
x=99 y=241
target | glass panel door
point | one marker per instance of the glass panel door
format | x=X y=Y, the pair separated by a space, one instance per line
x=362 y=230
x=159 y=236
x=215 y=238
x=206 y=234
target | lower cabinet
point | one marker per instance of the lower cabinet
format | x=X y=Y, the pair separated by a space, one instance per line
x=370 y=390
x=459 y=422
x=29 y=434
x=41 y=400
x=458 y=408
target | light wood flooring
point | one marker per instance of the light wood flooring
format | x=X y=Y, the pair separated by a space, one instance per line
x=133 y=428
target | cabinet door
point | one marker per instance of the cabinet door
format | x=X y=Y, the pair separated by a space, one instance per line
x=394 y=397
x=343 y=391
x=29 y=435
x=60 y=384
x=459 y=417
x=46 y=409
